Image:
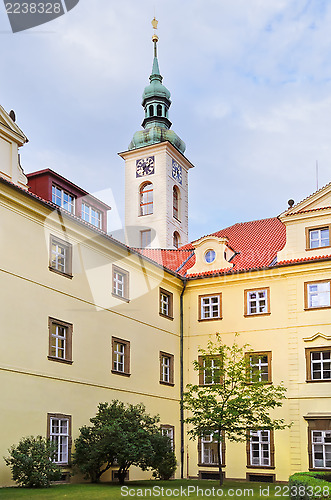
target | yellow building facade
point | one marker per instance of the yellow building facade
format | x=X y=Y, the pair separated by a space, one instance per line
x=88 y=319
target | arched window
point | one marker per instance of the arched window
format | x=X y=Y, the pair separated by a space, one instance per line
x=176 y=239
x=175 y=202
x=159 y=110
x=151 y=110
x=146 y=199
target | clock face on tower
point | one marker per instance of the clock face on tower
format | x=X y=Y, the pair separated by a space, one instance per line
x=145 y=166
x=177 y=172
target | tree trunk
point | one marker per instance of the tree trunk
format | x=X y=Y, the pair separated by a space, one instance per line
x=121 y=476
x=219 y=444
x=221 y=474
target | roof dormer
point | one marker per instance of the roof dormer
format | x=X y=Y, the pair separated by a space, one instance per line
x=212 y=253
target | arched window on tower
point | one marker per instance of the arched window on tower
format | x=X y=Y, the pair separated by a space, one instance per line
x=146 y=198
x=175 y=202
x=151 y=110
x=159 y=110
x=176 y=240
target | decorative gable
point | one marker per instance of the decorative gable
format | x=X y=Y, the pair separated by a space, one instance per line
x=11 y=138
x=212 y=253
x=308 y=227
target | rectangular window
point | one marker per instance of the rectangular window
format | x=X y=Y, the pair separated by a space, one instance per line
x=60 y=258
x=145 y=238
x=120 y=283
x=60 y=341
x=63 y=199
x=120 y=356
x=208 y=450
x=317 y=237
x=260 y=366
x=317 y=294
x=166 y=303
x=319 y=442
x=166 y=368
x=318 y=364
x=260 y=449
x=257 y=301
x=321 y=449
x=209 y=372
x=169 y=431
x=91 y=215
x=210 y=307
x=59 y=432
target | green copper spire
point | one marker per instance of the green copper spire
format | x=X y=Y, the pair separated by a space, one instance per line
x=156 y=102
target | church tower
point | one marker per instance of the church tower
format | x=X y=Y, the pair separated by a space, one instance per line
x=156 y=173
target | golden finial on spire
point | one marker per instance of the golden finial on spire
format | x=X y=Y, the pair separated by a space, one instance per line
x=155 y=23
x=155 y=38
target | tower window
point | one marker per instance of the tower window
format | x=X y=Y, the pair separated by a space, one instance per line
x=176 y=239
x=146 y=199
x=159 y=110
x=151 y=110
x=175 y=202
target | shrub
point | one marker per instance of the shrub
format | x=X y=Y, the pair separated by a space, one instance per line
x=310 y=486
x=31 y=462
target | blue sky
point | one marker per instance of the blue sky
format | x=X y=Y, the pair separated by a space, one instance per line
x=251 y=97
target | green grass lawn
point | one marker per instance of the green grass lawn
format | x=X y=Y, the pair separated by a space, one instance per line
x=144 y=489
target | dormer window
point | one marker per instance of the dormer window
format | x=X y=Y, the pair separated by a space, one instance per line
x=210 y=256
x=63 y=199
x=91 y=215
x=318 y=237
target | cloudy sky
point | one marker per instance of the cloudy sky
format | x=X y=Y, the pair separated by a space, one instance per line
x=251 y=97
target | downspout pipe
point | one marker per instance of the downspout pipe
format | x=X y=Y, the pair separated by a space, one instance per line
x=182 y=379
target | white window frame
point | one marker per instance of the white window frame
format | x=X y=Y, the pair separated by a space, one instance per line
x=61 y=439
x=118 y=283
x=70 y=202
x=168 y=430
x=165 y=304
x=165 y=368
x=255 y=360
x=262 y=447
x=325 y=448
x=88 y=215
x=316 y=297
x=207 y=452
x=60 y=256
x=209 y=371
x=322 y=362
x=119 y=357
x=257 y=302
x=320 y=240
x=210 y=307
x=59 y=337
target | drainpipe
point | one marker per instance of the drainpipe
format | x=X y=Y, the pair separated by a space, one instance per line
x=182 y=380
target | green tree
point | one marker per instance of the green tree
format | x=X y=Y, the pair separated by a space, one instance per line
x=234 y=399
x=119 y=435
x=31 y=462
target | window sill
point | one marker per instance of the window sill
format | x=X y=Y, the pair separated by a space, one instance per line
x=171 y=384
x=317 y=248
x=210 y=465
x=210 y=319
x=257 y=314
x=177 y=219
x=318 y=380
x=270 y=467
x=59 y=360
x=166 y=316
x=56 y=271
x=121 y=298
x=124 y=374
x=316 y=308
x=326 y=469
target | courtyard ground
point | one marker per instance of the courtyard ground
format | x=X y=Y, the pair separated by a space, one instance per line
x=151 y=489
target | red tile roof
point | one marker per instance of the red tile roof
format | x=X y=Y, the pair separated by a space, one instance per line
x=256 y=245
